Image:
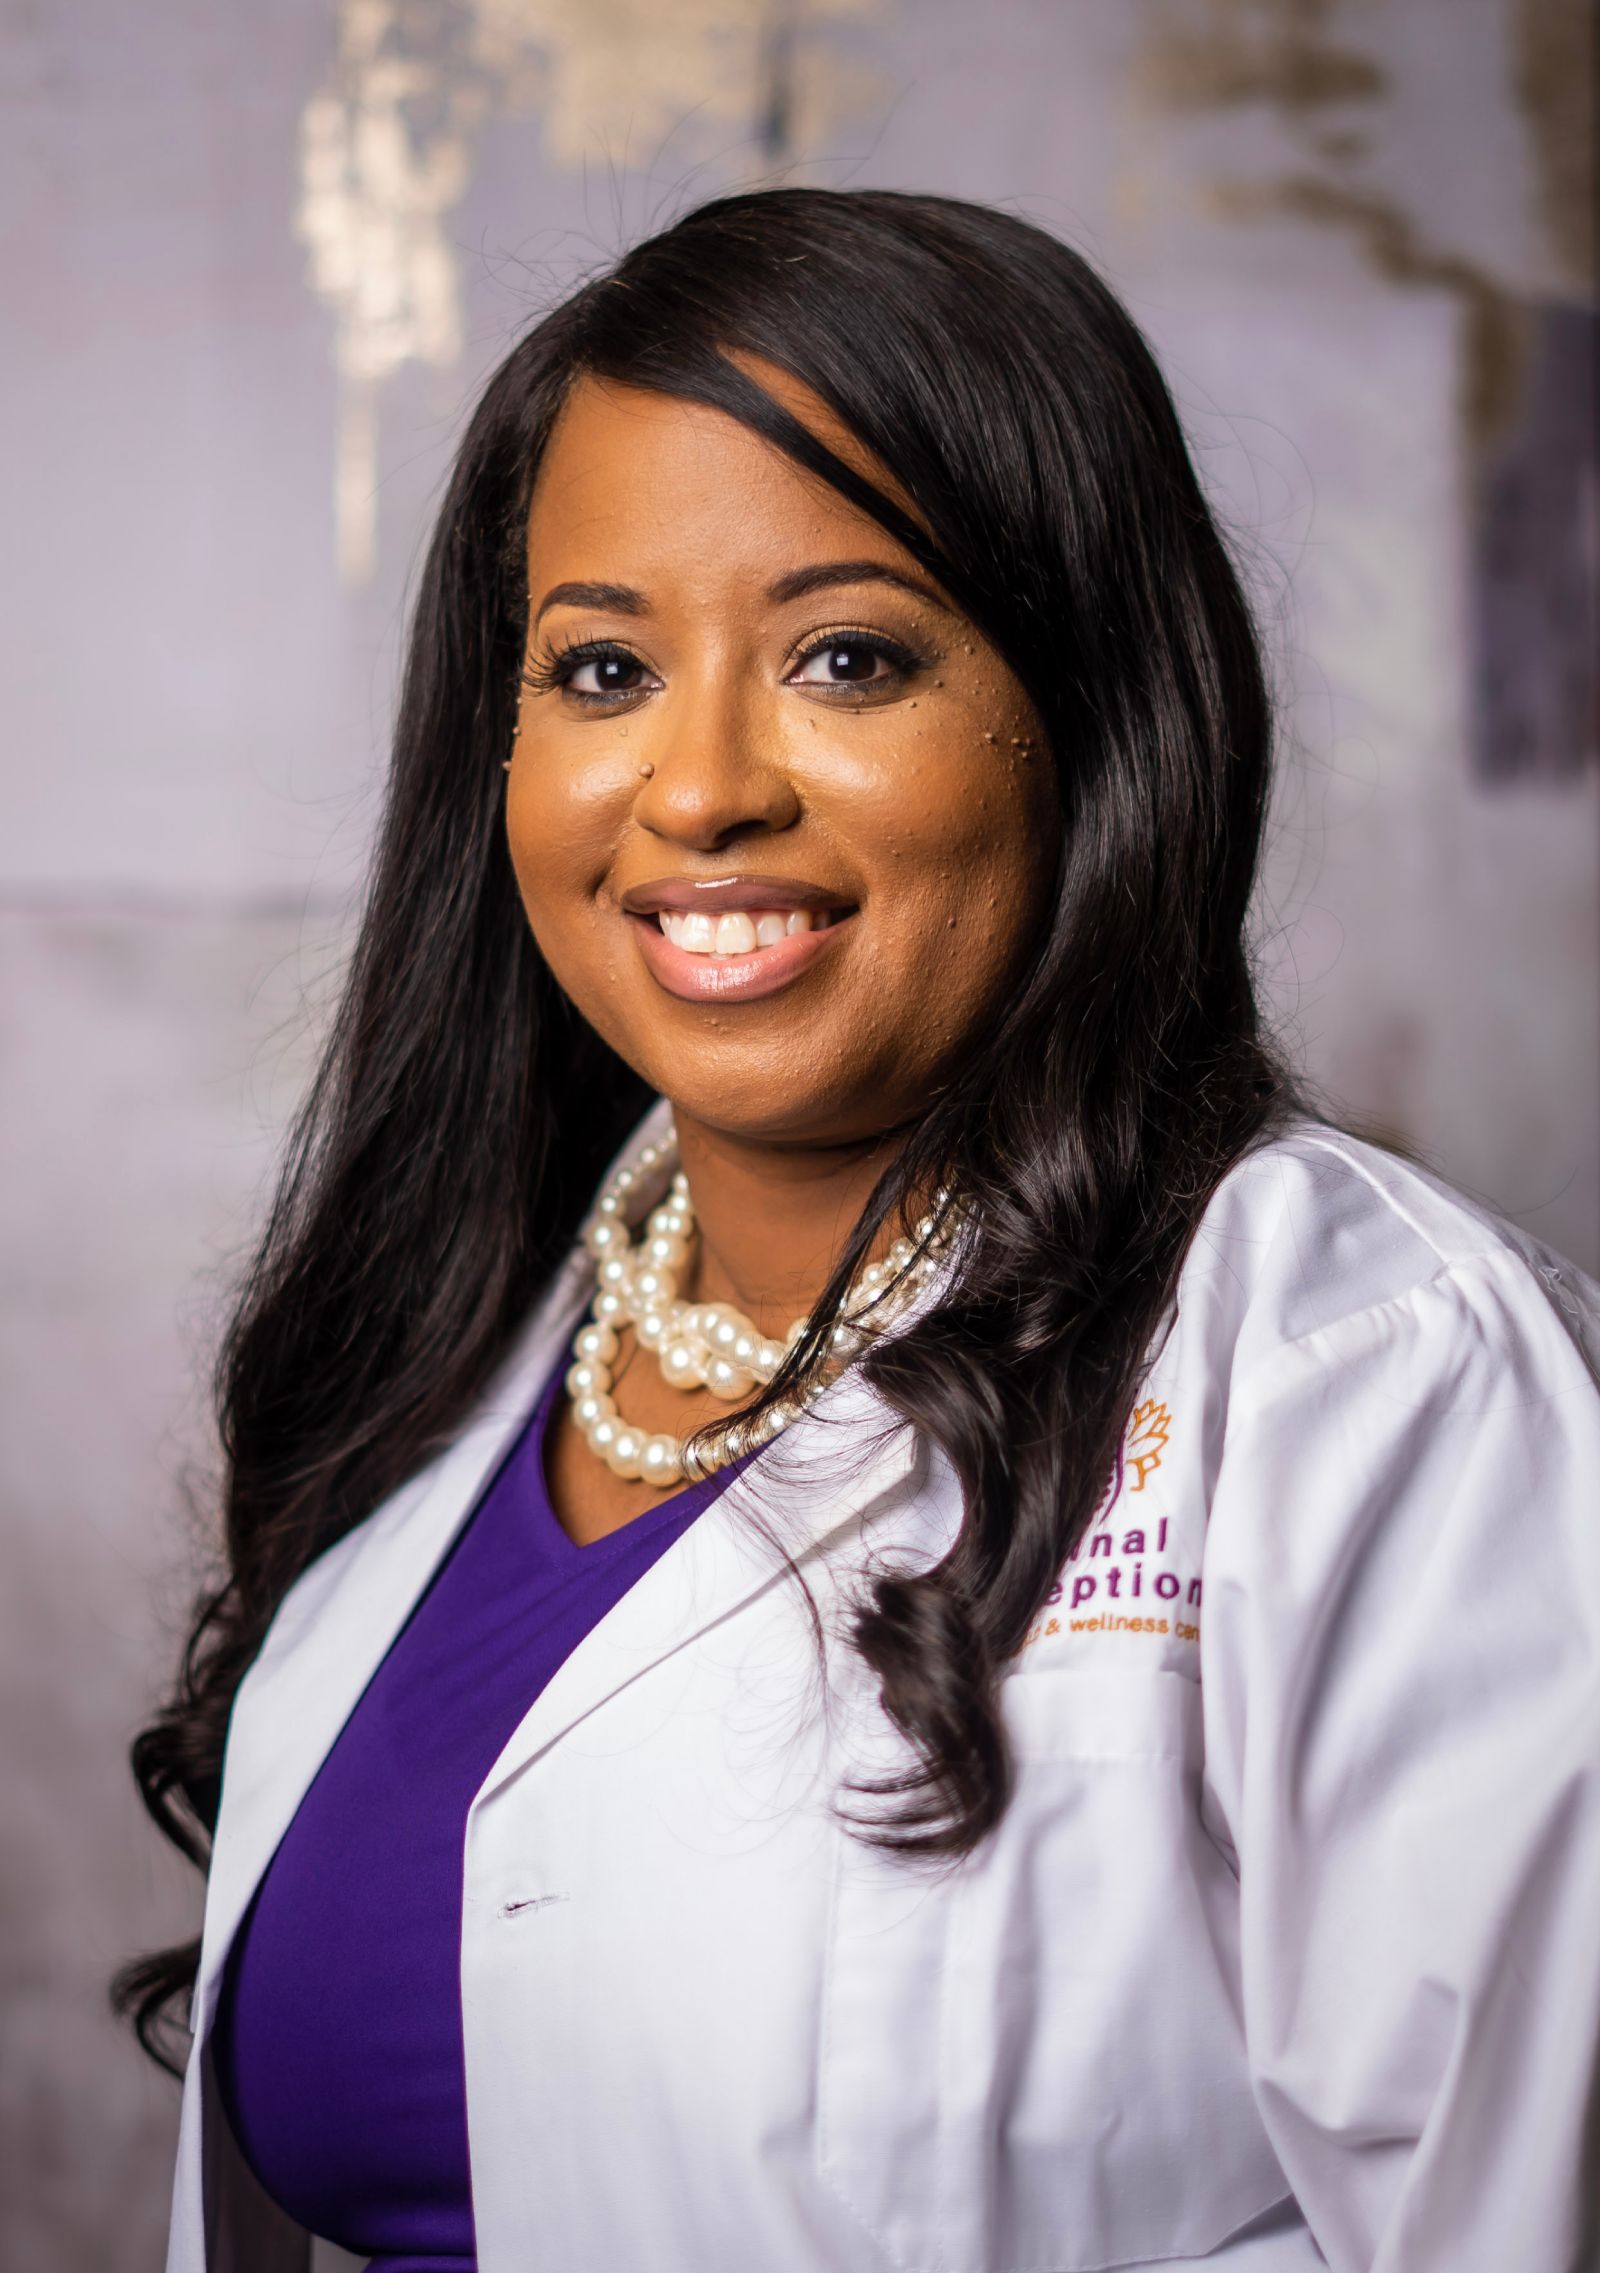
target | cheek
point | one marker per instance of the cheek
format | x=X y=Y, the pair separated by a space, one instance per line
x=966 y=832
x=561 y=821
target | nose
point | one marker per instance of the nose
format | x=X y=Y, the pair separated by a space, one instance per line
x=715 y=776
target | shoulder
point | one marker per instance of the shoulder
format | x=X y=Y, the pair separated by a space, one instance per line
x=1398 y=1486
x=1318 y=1243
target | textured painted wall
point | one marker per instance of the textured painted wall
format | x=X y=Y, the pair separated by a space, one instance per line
x=256 y=262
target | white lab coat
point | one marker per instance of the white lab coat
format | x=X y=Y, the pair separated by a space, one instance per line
x=1287 y=1951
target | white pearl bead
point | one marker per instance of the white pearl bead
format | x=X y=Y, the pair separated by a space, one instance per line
x=625 y=1456
x=746 y=1351
x=901 y=1253
x=771 y=1356
x=665 y=1252
x=724 y=1332
x=614 y=1273
x=679 y=1364
x=596 y=1343
x=651 y=1288
x=603 y=1434
x=659 y=1463
x=650 y=1327
x=583 y=1380
x=726 y=1380
x=595 y=1407
x=607 y=1236
x=609 y=1308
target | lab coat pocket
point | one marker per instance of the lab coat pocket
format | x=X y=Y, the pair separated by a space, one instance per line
x=1034 y=2063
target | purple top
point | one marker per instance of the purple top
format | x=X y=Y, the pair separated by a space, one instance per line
x=338 y=2036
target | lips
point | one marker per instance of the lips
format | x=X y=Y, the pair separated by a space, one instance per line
x=733 y=938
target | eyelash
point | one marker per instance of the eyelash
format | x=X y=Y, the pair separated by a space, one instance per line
x=557 y=668
x=543 y=674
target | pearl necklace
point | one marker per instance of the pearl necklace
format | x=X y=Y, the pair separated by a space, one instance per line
x=708 y=1344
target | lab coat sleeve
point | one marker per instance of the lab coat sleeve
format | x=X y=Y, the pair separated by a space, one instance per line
x=1400 y=1653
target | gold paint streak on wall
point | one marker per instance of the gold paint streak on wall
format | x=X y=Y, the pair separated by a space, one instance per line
x=1209 y=55
x=615 y=78
x=1254 y=51
x=385 y=153
x=387 y=149
x=1555 y=79
x=1496 y=324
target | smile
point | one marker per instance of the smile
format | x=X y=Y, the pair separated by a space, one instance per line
x=743 y=930
x=735 y=939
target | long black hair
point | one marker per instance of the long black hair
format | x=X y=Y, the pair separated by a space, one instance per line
x=463 y=1112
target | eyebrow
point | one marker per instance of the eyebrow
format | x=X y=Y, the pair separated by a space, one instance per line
x=615 y=599
x=799 y=584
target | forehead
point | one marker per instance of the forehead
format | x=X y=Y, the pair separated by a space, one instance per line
x=642 y=485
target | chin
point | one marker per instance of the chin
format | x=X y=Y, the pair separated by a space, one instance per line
x=760 y=1105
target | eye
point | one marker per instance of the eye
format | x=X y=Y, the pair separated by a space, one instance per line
x=853 y=663
x=611 y=673
x=596 y=675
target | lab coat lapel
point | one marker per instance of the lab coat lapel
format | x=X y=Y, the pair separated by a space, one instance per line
x=336 y=1629
x=817 y=1481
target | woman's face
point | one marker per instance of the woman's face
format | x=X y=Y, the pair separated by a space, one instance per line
x=782 y=820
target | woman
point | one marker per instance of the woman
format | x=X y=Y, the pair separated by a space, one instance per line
x=996 y=1667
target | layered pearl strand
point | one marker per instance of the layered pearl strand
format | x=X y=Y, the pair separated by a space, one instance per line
x=710 y=1344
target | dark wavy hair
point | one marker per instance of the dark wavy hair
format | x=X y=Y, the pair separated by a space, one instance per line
x=463 y=1112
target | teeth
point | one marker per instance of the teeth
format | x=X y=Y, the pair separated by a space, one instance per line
x=736 y=935
x=740 y=933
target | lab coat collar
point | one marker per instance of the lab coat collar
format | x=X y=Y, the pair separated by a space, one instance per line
x=809 y=1488
x=812 y=1486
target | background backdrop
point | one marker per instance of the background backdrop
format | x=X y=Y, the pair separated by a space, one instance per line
x=257 y=261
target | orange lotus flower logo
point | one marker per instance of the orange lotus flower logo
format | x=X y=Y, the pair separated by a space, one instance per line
x=1139 y=1453
x=1148 y=1429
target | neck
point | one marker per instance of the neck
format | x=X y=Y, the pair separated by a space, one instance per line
x=773 y=1219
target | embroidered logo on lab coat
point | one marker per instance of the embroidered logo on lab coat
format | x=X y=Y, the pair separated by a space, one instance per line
x=1139 y=1453
x=1129 y=1574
